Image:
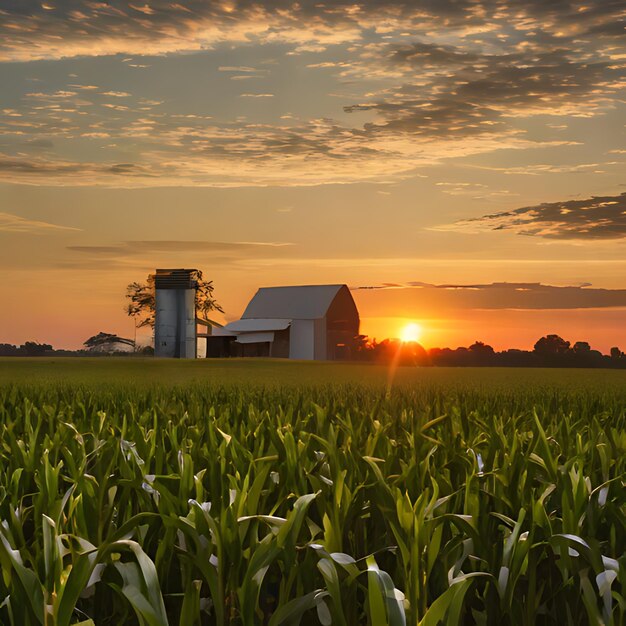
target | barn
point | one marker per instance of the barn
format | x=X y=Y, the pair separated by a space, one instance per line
x=313 y=322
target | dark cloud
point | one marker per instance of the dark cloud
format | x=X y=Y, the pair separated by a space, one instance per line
x=25 y=166
x=596 y=218
x=60 y=28
x=419 y=54
x=33 y=169
x=525 y=296
x=481 y=93
x=127 y=169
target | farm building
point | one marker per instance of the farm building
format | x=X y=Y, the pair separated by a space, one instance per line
x=314 y=322
x=175 y=313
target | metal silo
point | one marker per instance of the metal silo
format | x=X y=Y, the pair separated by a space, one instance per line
x=175 y=314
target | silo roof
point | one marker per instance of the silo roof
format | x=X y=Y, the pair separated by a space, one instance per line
x=304 y=302
x=175 y=279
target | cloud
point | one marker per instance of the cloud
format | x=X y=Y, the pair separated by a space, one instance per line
x=72 y=28
x=596 y=218
x=42 y=143
x=546 y=168
x=429 y=81
x=420 y=54
x=406 y=299
x=180 y=150
x=479 y=94
x=152 y=253
x=56 y=172
x=57 y=95
x=134 y=248
x=15 y=224
x=237 y=68
x=31 y=30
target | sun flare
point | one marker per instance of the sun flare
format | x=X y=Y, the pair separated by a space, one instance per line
x=411 y=332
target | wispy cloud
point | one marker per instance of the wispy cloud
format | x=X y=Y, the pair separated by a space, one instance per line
x=132 y=248
x=236 y=68
x=316 y=153
x=10 y=223
x=151 y=253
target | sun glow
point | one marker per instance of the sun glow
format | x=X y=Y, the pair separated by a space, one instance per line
x=411 y=332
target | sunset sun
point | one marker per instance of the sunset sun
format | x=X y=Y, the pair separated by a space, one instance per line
x=411 y=332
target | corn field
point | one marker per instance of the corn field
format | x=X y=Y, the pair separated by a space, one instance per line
x=343 y=505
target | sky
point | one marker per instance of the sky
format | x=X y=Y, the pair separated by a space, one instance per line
x=459 y=164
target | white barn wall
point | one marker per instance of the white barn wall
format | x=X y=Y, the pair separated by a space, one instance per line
x=302 y=340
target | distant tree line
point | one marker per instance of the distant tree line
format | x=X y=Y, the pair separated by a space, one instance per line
x=549 y=351
x=30 y=348
x=102 y=344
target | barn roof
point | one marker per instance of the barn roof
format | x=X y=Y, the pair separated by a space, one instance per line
x=305 y=302
x=257 y=325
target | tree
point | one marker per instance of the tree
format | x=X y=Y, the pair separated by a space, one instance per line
x=142 y=297
x=616 y=353
x=32 y=348
x=582 y=347
x=106 y=342
x=205 y=303
x=142 y=303
x=552 y=345
x=481 y=353
x=481 y=349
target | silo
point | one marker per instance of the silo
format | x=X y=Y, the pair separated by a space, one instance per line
x=175 y=313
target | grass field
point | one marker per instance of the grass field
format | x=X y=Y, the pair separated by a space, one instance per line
x=248 y=492
x=98 y=372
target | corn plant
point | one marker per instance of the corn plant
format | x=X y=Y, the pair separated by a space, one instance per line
x=343 y=504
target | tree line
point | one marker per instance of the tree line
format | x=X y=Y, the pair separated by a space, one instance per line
x=548 y=351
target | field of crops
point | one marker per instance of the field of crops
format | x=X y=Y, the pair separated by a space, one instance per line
x=244 y=493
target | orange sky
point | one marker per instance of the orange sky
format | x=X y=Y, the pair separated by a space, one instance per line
x=66 y=313
x=404 y=145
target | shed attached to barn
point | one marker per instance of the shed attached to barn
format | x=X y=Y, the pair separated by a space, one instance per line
x=314 y=322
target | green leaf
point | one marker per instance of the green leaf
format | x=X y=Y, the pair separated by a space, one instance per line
x=290 y=614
